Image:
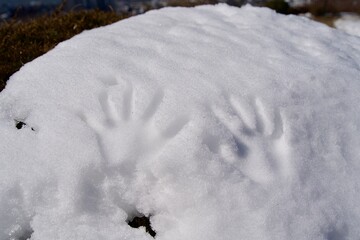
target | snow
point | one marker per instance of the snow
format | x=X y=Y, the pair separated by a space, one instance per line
x=349 y=23
x=218 y=122
x=298 y=2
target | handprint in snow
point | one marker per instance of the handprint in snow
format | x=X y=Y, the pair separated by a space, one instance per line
x=124 y=137
x=258 y=147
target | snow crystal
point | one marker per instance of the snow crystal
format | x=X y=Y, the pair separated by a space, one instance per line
x=214 y=122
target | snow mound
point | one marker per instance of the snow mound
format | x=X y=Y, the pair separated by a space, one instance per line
x=217 y=122
x=349 y=23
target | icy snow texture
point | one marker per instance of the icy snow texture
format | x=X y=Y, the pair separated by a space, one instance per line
x=222 y=123
x=349 y=23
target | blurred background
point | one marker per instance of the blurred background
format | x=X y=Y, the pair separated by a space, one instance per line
x=30 y=8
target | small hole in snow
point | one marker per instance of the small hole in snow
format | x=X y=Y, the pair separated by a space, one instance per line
x=26 y=235
x=22 y=234
x=19 y=124
x=142 y=221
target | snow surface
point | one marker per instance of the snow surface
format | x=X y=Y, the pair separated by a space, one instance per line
x=219 y=122
x=349 y=23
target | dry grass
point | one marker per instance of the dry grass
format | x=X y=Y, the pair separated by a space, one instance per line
x=328 y=20
x=189 y=3
x=333 y=7
x=21 y=42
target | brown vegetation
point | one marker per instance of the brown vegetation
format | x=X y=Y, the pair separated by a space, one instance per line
x=328 y=7
x=321 y=7
x=21 y=42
